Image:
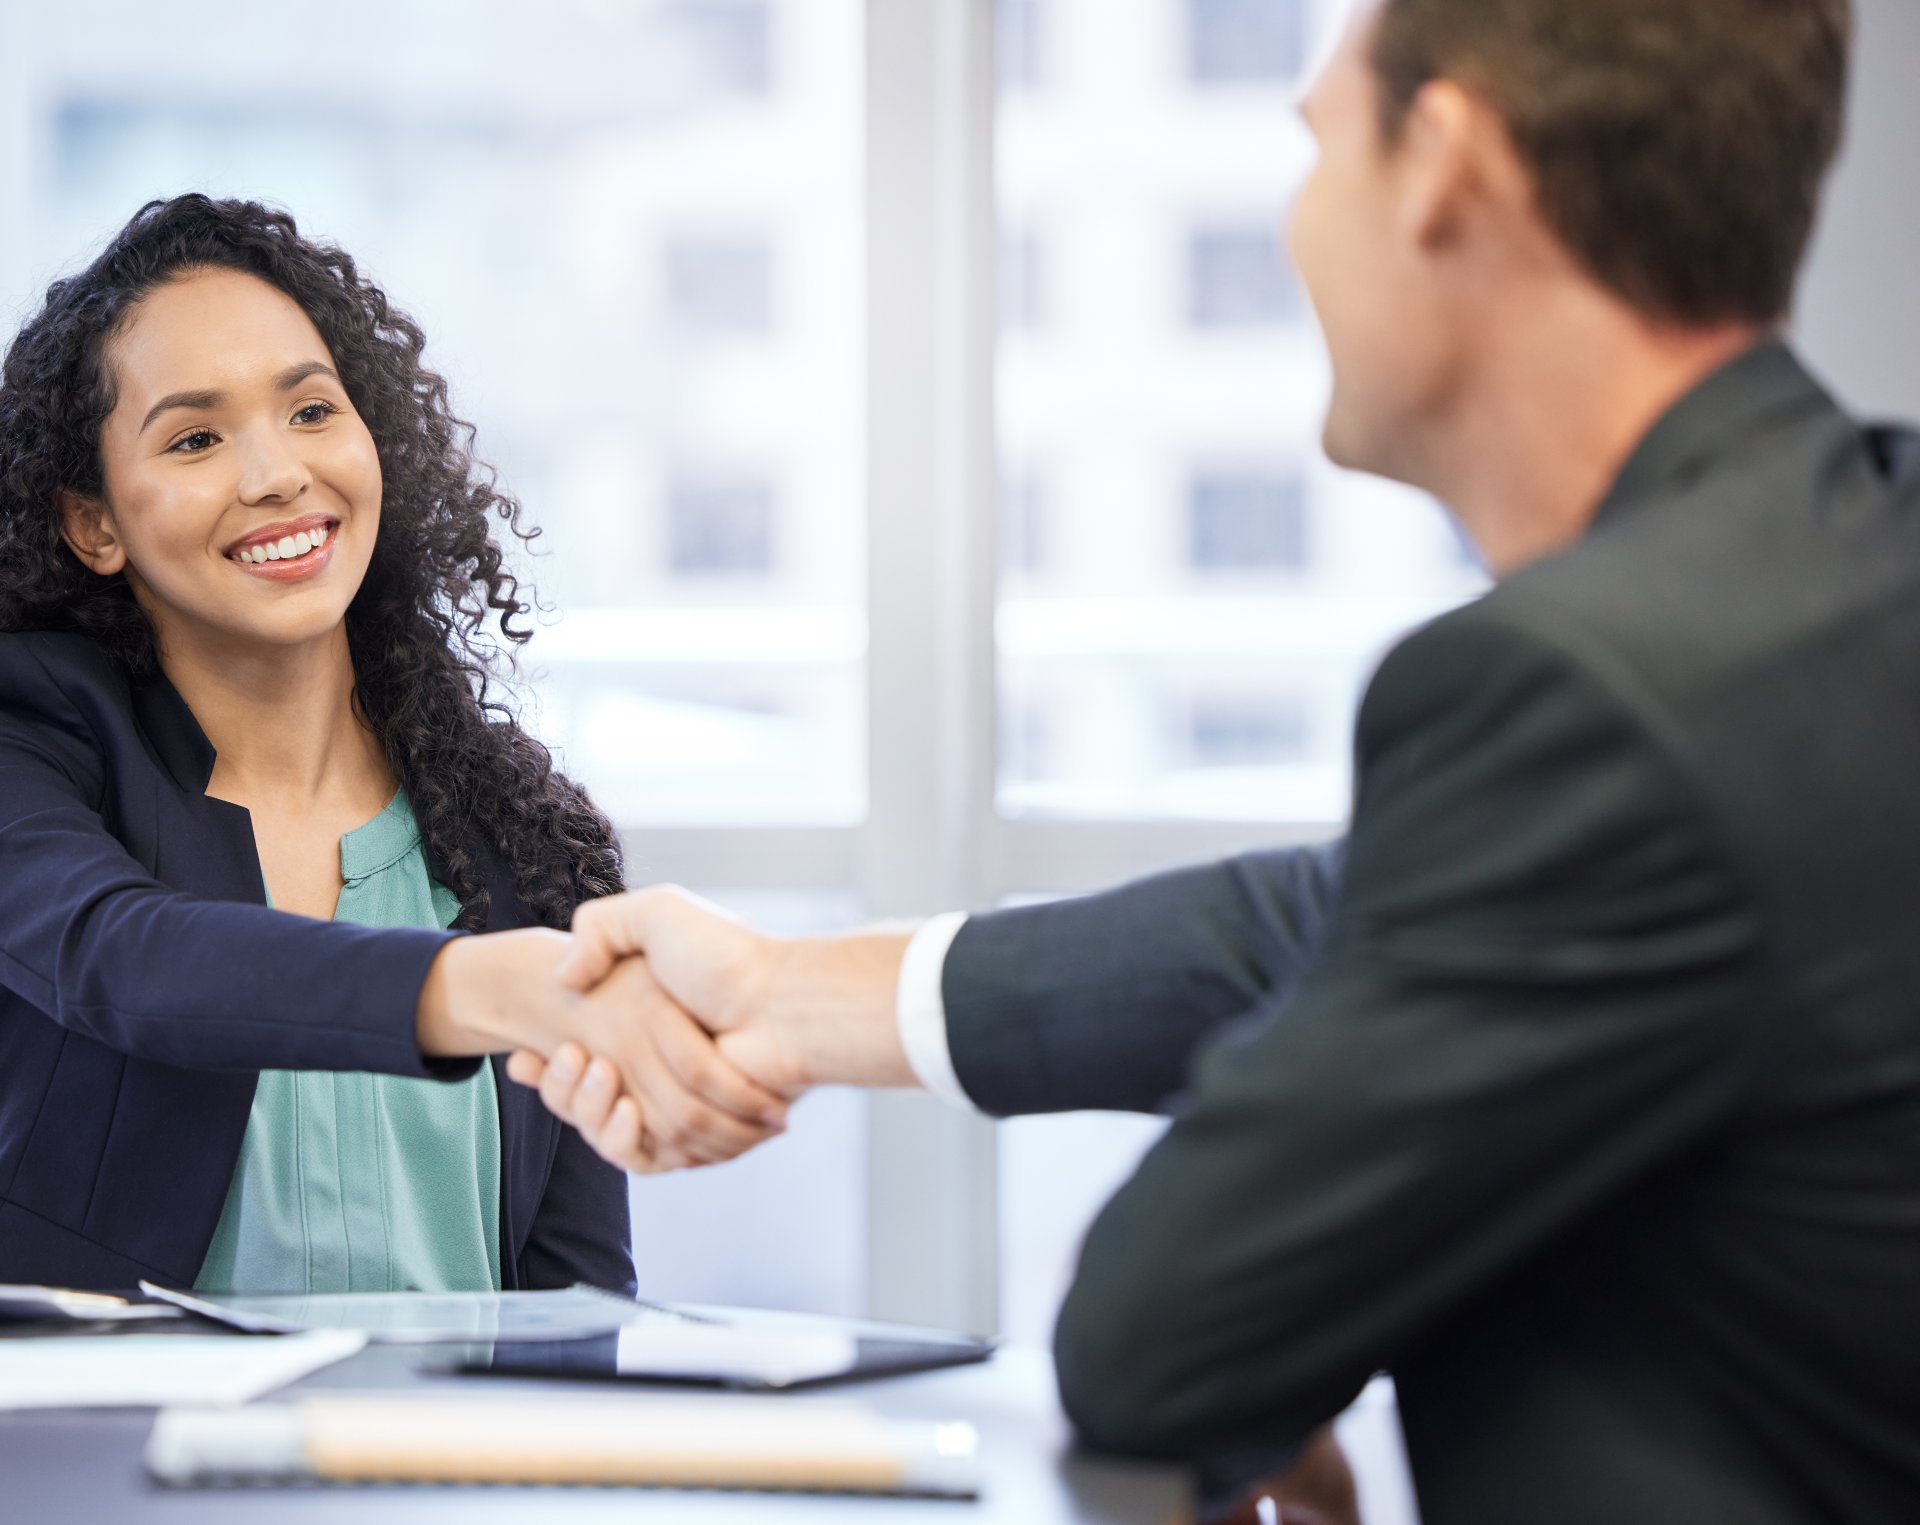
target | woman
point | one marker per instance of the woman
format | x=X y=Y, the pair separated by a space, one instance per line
x=245 y=577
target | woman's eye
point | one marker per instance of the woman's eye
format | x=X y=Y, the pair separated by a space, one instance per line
x=315 y=413
x=194 y=443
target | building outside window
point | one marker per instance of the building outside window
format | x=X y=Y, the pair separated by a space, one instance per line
x=1238 y=277
x=721 y=527
x=1246 y=42
x=1022 y=282
x=731 y=42
x=1024 y=531
x=1246 y=731
x=1019 y=43
x=719 y=286
x=1246 y=521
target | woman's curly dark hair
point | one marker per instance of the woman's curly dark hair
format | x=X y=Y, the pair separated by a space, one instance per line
x=423 y=655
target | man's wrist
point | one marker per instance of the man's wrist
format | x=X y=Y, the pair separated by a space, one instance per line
x=836 y=996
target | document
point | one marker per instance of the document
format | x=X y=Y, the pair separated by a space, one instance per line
x=427 y=1318
x=155 y=1371
x=39 y=1305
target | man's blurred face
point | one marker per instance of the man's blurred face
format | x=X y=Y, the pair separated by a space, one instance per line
x=1359 y=256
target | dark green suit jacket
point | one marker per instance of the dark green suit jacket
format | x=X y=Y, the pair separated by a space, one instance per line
x=1589 y=1104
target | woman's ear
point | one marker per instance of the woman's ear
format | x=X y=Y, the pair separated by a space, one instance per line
x=88 y=529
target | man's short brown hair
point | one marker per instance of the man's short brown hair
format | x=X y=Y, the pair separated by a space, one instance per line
x=1677 y=146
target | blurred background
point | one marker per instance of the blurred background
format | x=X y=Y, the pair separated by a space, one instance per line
x=922 y=416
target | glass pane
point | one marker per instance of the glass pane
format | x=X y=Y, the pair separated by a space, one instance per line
x=1191 y=596
x=634 y=235
x=784 y=1226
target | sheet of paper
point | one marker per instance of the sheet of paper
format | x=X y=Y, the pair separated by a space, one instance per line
x=32 y=1305
x=400 y=1318
x=154 y=1371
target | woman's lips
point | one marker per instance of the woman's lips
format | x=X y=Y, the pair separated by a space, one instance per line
x=285 y=540
x=293 y=558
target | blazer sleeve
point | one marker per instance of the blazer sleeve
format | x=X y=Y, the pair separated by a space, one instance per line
x=1100 y=1002
x=89 y=937
x=1532 y=995
x=582 y=1231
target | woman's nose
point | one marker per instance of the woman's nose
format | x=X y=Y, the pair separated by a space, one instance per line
x=272 y=470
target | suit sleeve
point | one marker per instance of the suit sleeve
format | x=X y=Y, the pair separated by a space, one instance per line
x=1099 y=1003
x=1529 y=998
x=94 y=941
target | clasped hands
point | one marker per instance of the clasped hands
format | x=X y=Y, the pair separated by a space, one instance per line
x=666 y=1032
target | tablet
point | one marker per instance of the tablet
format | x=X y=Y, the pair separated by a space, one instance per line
x=737 y=1348
x=586 y=1334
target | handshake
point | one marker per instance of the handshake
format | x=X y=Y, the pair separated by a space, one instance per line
x=664 y=1030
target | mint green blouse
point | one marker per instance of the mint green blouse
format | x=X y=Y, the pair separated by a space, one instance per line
x=350 y=1182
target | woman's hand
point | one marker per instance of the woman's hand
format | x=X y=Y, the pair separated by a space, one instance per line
x=503 y=991
x=789 y=1013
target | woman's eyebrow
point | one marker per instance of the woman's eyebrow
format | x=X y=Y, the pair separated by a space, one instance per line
x=286 y=381
x=293 y=375
x=182 y=400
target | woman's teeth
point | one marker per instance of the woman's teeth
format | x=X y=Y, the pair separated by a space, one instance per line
x=287 y=547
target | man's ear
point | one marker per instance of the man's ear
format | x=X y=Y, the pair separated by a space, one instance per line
x=88 y=529
x=1444 y=151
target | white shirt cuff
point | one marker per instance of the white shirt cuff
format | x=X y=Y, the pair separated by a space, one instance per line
x=921 y=1008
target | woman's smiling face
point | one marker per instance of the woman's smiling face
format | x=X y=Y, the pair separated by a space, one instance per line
x=242 y=490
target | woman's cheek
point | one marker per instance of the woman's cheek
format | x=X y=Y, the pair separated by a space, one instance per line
x=356 y=473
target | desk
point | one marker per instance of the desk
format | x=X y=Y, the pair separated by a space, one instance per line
x=85 y=1467
x=59 y=1468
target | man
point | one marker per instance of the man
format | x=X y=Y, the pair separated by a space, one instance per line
x=1588 y=1103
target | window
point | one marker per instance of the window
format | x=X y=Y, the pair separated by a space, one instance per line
x=1023 y=522
x=720 y=527
x=1246 y=521
x=578 y=205
x=648 y=243
x=1022 y=283
x=719 y=287
x=1237 y=277
x=1256 y=730
x=730 y=42
x=1027 y=732
x=1246 y=42
x=1018 y=43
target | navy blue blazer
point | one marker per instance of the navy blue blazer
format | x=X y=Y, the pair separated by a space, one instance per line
x=144 y=984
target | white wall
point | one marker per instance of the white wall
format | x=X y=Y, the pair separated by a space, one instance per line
x=1860 y=305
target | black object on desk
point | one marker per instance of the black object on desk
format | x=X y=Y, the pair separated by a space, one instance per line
x=742 y=1350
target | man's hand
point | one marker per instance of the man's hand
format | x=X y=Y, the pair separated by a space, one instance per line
x=716 y=968
x=1318 y=1491
x=503 y=991
x=791 y=1014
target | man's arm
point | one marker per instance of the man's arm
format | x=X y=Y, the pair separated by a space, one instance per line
x=1099 y=1003
x=1531 y=996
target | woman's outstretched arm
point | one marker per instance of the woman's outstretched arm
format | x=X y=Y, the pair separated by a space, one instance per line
x=93 y=940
